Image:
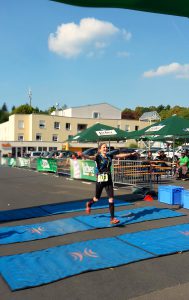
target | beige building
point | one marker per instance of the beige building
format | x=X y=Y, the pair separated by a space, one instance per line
x=39 y=132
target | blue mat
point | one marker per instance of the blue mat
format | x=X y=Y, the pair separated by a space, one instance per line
x=129 y=216
x=52 y=209
x=161 y=241
x=45 y=266
x=23 y=233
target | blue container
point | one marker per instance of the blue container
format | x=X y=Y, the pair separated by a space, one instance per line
x=170 y=194
x=185 y=198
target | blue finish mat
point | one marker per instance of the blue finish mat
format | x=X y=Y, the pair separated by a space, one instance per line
x=23 y=233
x=53 y=209
x=129 y=216
x=45 y=266
x=161 y=241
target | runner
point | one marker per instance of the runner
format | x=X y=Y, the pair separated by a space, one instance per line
x=104 y=178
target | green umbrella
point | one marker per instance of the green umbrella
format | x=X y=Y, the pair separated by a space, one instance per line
x=99 y=132
x=173 y=127
x=170 y=7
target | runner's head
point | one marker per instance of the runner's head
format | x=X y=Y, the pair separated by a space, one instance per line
x=102 y=148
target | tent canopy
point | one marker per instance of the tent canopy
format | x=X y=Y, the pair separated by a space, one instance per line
x=99 y=132
x=169 y=128
x=170 y=7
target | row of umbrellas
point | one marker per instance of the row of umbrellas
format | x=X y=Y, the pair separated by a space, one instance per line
x=168 y=129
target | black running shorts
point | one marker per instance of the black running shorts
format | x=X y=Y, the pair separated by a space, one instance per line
x=108 y=187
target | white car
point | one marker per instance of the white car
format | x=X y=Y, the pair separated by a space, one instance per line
x=35 y=154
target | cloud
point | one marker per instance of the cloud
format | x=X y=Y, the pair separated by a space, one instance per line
x=123 y=54
x=71 y=40
x=180 y=71
x=126 y=34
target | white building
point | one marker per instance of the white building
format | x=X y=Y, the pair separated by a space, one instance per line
x=93 y=111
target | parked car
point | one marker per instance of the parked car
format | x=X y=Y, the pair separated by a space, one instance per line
x=35 y=154
x=56 y=153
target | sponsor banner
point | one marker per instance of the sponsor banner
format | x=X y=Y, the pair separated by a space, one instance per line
x=23 y=162
x=82 y=169
x=106 y=132
x=46 y=165
x=4 y=161
x=186 y=129
x=12 y=162
x=155 y=128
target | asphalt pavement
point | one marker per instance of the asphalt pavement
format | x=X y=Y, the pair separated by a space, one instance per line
x=165 y=277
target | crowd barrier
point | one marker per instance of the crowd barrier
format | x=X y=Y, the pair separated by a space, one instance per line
x=137 y=173
x=140 y=173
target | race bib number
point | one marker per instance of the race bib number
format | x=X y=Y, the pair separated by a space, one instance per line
x=102 y=178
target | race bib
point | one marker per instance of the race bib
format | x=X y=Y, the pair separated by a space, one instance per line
x=102 y=178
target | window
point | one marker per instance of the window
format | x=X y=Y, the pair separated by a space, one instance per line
x=56 y=125
x=38 y=137
x=20 y=124
x=81 y=127
x=68 y=126
x=55 y=138
x=20 y=137
x=127 y=128
x=96 y=115
x=41 y=124
x=52 y=148
x=136 y=127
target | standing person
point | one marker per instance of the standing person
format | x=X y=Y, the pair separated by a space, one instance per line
x=182 y=166
x=104 y=178
x=149 y=156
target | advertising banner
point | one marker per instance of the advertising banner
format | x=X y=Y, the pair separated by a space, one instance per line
x=23 y=162
x=82 y=169
x=46 y=165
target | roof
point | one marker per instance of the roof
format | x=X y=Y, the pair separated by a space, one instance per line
x=93 y=105
x=150 y=116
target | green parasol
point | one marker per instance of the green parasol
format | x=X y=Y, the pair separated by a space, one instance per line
x=99 y=132
x=170 y=128
x=169 y=7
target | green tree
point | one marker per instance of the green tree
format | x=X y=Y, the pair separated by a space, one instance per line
x=4 y=107
x=51 y=109
x=23 y=109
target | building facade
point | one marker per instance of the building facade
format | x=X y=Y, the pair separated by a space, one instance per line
x=39 y=132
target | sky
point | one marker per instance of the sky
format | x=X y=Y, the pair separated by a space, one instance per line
x=68 y=55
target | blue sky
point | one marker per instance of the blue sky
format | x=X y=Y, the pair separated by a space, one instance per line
x=78 y=56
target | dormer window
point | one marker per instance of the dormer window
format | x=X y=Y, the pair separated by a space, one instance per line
x=96 y=115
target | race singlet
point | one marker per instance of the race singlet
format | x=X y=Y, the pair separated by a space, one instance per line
x=102 y=177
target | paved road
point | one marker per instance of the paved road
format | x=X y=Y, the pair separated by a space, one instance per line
x=159 y=278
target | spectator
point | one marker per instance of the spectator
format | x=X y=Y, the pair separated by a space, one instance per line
x=149 y=156
x=182 y=166
x=161 y=156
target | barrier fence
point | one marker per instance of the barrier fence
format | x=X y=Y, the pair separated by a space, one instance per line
x=140 y=173
x=137 y=173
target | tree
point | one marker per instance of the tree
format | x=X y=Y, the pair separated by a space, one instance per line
x=4 y=107
x=128 y=113
x=51 y=109
x=23 y=109
x=4 y=116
